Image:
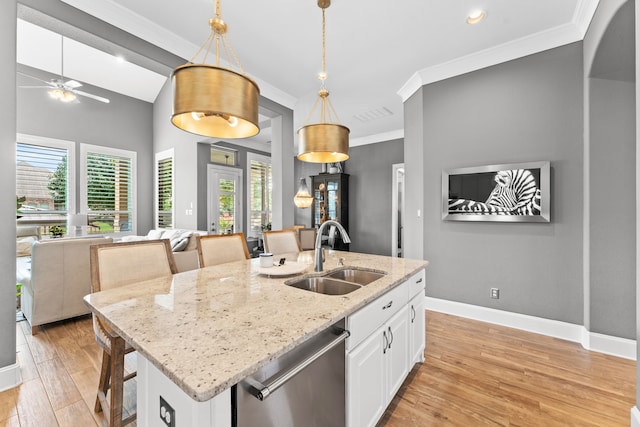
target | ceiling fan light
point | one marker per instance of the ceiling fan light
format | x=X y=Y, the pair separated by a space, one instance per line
x=68 y=97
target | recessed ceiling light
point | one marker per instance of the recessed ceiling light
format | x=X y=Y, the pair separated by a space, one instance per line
x=476 y=16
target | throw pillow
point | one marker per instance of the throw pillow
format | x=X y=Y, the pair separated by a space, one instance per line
x=23 y=246
x=155 y=234
x=133 y=238
x=180 y=240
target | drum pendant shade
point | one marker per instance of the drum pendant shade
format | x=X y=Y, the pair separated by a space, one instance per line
x=214 y=101
x=323 y=143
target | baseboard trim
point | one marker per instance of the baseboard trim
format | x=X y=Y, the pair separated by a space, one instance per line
x=10 y=377
x=620 y=347
x=635 y=417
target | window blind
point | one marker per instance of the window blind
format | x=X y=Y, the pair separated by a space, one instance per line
x=42 y=179
x=165 y=192
x=109 y=191
x=260 y=195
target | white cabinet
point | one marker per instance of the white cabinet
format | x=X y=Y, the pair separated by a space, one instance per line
x=397 y=357
x=387 y=338
x=366 y=394
x=416 y=329
x=376 y=369
x=416 y=319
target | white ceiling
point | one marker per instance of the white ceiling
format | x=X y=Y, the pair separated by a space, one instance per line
x=378 y=53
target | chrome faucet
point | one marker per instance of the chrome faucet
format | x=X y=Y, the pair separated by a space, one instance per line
x=318 y=248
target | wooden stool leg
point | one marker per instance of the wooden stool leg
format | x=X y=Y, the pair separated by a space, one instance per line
x=117 y=385
x=103 y=384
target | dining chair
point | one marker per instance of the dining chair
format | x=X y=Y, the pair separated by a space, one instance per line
x=282 y=242
x=307 y=238
x=114 y=265
x=214 y=249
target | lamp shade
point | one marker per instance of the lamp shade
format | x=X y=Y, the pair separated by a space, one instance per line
x=302 y=198
x=215 y=102
x=323 y=143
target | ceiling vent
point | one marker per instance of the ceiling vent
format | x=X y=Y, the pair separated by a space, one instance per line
x=372 y=115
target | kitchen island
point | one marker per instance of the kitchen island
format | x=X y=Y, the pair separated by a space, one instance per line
x=206 y=330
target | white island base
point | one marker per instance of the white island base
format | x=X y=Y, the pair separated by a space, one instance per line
x=154 y=385
x=387 y=338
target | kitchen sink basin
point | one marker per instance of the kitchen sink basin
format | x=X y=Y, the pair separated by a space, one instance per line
x=324 y=285
x=361 y=277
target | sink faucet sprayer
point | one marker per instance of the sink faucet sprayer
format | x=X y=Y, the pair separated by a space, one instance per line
x=318 y=248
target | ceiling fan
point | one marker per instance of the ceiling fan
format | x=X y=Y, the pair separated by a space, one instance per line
x=64 y=91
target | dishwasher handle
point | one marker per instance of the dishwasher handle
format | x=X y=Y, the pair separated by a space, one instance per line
x=262 y=391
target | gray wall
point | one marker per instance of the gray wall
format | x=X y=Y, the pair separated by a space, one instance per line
x=612 y=208
x=124 y=123
x=7 y=182
x=610 y=171
x=525 y=110
x=370 y=194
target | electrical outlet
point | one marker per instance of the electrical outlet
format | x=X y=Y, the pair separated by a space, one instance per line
x=167 y=413
x=495 y=293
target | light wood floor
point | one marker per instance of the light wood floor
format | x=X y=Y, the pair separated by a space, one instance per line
x=479 y=374
x=475 y=374
x=60 y=370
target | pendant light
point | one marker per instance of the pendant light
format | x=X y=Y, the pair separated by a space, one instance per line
x=327 y=141
x=211 y=100
x=303 y=198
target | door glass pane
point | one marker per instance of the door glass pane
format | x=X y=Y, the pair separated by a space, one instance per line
x=226 y=206
x=332 y=200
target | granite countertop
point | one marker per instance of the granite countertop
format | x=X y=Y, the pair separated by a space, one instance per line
x=208 y=329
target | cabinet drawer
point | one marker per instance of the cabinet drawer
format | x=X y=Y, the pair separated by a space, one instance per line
x=416 y=283
x=366 y=320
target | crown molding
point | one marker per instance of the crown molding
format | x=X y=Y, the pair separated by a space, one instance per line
x=585 y=9
x=133 y=23
x=544 y=40
x=380 y=137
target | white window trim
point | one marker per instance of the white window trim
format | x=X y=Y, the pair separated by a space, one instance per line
x=163 y=155
x=70 y=146
x=258 y=158
x=86 y=148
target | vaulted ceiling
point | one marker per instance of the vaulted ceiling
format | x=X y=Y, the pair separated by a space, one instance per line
x=378 y=53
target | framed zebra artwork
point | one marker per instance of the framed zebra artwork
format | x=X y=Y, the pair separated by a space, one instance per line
x=509 y=193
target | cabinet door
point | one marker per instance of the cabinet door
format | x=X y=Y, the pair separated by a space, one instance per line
x=417 y=331
x=397 y=354
x=366 y=395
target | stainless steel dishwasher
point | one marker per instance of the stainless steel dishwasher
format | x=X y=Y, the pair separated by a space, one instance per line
x=303 y=388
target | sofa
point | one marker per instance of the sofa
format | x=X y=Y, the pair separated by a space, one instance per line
x=55 y=279
x=183 y=245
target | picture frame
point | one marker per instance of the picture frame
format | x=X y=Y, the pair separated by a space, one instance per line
x=516 y=192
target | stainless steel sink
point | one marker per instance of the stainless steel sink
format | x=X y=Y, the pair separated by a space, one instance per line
x=324 y=285
x=361 y=277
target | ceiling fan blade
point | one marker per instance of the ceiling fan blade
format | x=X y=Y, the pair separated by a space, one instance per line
x=72 y=84
x=36 y=78
x=35 y=87
x=89 y=95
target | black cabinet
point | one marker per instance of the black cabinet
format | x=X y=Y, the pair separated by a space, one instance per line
x=331 y=201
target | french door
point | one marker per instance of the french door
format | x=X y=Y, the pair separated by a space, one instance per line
x=224 y=199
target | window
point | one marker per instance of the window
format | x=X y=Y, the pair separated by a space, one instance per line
x=45 y=181
x=223 y=156
x=259 y=193
x=108 y=188
x=164 y=189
